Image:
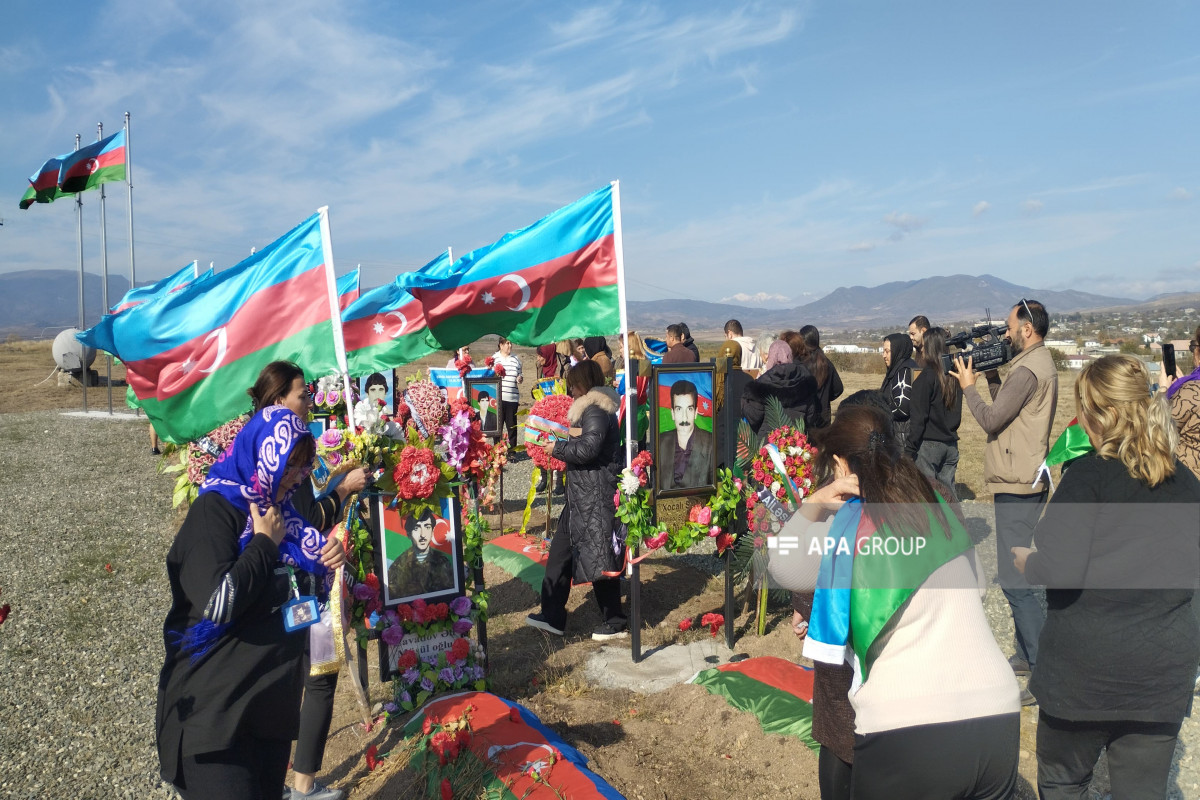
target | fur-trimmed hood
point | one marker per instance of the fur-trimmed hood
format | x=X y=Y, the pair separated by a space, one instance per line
x=603 y=397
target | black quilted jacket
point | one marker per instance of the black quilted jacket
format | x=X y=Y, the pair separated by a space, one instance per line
x=593 y=460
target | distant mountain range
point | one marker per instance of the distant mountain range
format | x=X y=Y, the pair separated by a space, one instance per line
x=941 y=298
x=34 y=300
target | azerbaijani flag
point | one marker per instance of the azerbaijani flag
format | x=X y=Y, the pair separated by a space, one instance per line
x=776 y=691
x=385 y=327
x=88 y=167
x=509 y=742
x=347 y=289
x=190 y=355
x=704 y=399
x=523 y=557
x=556 y=279
x=43 y=184
x=172 y=283
x=1070 y=445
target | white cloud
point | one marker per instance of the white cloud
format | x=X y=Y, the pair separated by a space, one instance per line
x=861 y=247
x=1032 y=208
x=1181 y=194
x=759 y=299
x=904 y=223
x=980 y=208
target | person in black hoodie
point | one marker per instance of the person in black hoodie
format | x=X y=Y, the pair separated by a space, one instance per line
x=897 y=384
x=934 y=414
x=791 y=382
x=687 y=341
x=1116 y=551
x=829 y=383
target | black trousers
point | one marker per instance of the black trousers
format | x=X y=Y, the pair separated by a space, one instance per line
x=556 y=586
x=1139 y=757
x=316 y=715
x=508 y=417
x=972 y=759
x=833 y=775
x=253 y=769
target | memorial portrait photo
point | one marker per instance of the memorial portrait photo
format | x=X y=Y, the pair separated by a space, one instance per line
x=378 y=386
x=683 y=430
x=420 y=555
x=484 y=397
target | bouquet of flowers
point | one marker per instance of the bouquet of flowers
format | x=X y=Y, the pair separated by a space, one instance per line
x=553 y=409
x=496 y=367
x=329 y=396
x=785 y=447
x=196 y=459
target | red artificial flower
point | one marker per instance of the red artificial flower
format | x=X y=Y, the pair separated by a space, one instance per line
x=685 y=624
x=459 y=651
x=372 y=760
x=427 y=725
x=372 y=580
x=408 y=659
x=5 y=610
x=463 y=738
x=404 y=612
x=724 y=542
x=713 y=622
x=416 y=474
x=514 y=714
x=447 y=790
x=441 y=611
x=108 y=567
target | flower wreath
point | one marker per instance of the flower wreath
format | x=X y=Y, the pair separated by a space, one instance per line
x=196 y=459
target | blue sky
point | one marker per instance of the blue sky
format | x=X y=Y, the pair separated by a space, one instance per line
x=776 y=148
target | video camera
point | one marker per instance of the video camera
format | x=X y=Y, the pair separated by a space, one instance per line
x=983 y=343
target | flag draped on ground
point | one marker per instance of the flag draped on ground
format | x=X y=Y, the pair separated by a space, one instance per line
x=523 y=557
x=776 y=691
x=385 y=327
x=556 y=279
x=88 y=167
x=190 y=355
x=510 y=744
x=172 y=283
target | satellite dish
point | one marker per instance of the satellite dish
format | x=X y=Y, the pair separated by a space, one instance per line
x=69 y=352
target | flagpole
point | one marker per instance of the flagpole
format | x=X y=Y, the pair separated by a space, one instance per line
x=129 y=189
x=195 y=269
x=83 y=370
x=104 y=277
x=630 y=381
x=335 y=313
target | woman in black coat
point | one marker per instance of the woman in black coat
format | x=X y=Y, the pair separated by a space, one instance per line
x=897 y=384
x=584 y=547
x=791 y=382
x=1118 y=553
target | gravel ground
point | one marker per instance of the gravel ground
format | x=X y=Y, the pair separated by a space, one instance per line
x=80 y=653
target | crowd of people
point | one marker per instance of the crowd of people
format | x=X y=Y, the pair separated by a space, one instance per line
x=912 y=694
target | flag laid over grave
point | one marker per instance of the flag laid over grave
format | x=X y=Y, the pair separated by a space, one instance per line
x=776 y=691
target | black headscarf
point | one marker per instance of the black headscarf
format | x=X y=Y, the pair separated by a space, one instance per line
x=901 y=354
x=596 y=344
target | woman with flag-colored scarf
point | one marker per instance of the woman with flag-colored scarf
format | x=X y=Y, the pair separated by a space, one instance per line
x=229 y=690
x=898 y=596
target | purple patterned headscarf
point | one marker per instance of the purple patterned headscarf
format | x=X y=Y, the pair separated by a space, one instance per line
x=250 y=471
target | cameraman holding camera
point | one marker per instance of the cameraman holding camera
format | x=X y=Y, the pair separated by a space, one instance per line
x=1017 y=424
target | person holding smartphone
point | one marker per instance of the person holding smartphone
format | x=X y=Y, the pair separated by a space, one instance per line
x=1183 y=393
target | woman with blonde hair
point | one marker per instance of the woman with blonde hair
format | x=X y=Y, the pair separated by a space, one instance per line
x=1118 y=551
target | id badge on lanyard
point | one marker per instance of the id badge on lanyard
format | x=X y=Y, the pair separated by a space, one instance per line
x=299 y=612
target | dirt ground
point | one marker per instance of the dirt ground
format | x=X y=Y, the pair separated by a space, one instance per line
x=680 y=743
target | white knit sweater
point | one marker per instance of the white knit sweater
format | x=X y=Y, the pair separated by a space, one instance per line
x=939 y=662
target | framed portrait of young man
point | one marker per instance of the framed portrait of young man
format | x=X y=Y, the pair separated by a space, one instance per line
x=419 y=555
x=682 y=436
x=484 y=396
x=378 y=386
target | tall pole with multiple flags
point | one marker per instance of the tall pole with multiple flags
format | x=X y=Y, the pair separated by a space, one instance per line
x=104 y=275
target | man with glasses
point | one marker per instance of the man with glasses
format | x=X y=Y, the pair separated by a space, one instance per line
x=1017 y=424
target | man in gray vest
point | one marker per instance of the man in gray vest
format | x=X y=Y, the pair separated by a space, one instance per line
x=1017 y=424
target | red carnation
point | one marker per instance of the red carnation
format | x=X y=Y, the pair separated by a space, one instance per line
x=372 y=760
x=4 y=612
x=724 y=542
x=427 y=725
x=447 y=790
x=459 y=650
x=713 y=622
x=408 y=659
x=372 y=580
x=685 y=624
x=514 y=714
x=417 y=473
x=404 y=612
x=463 y=737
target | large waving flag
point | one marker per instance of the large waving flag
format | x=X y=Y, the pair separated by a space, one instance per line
x=385 y=327
x=99 y=162
x=43 y=184
x=172 y=283
x=556 y=279
x=190 y=355
x=347 y=289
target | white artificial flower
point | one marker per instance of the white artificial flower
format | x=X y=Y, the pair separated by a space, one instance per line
x=630 y=483
x=808 y=455
x=776 y=486
x=793 y=451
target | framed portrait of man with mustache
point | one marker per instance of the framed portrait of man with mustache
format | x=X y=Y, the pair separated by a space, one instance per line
x=683 y=439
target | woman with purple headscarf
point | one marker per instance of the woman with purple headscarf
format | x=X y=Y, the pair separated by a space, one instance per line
x=229 y=690
x=1184 y=397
